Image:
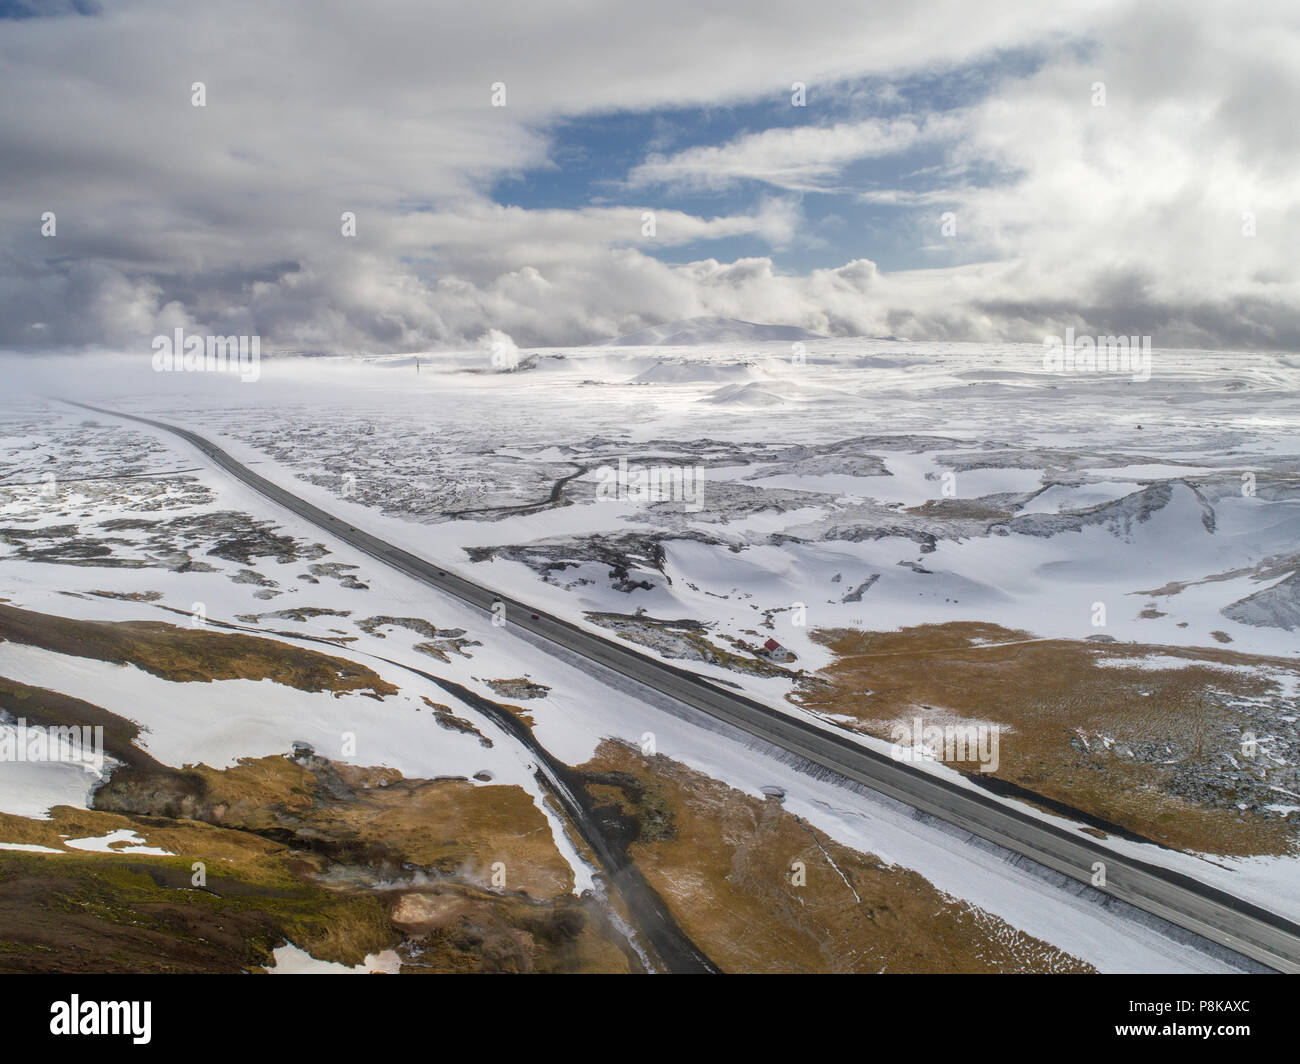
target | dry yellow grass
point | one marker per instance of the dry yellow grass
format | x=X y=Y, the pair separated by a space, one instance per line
x=722 y=861
x=290 y=856
x=1044 y=693
x=191 y=655
x=458 y=827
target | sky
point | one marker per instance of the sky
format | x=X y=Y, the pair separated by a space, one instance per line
x=567 y=171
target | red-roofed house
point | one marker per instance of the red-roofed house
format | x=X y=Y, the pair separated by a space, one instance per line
x=776 y=651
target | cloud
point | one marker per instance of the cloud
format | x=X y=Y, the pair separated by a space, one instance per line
x=1128 y=217
x=806 y=159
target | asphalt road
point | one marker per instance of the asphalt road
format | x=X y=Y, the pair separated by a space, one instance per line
x=1230 y=921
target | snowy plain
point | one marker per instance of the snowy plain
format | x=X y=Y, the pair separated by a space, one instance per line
x=401 y=450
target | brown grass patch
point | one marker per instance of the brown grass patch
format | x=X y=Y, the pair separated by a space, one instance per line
x=1048 y=693
x=722 y=861
x=190 y=655
x=306 y=851
x=361 y=816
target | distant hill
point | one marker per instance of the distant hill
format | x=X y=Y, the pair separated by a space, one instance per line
x=708 y=330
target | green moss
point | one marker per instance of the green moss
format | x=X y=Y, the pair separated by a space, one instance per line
x=72 y=913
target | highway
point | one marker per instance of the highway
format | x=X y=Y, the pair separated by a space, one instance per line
x=1212 y=913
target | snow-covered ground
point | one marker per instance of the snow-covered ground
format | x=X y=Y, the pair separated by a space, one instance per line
x=1048 y=494
x=946 y=424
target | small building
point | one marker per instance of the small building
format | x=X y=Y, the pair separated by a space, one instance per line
x=775 y=651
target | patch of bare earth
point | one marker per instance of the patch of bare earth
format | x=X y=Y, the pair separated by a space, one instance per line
x=519 y=687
